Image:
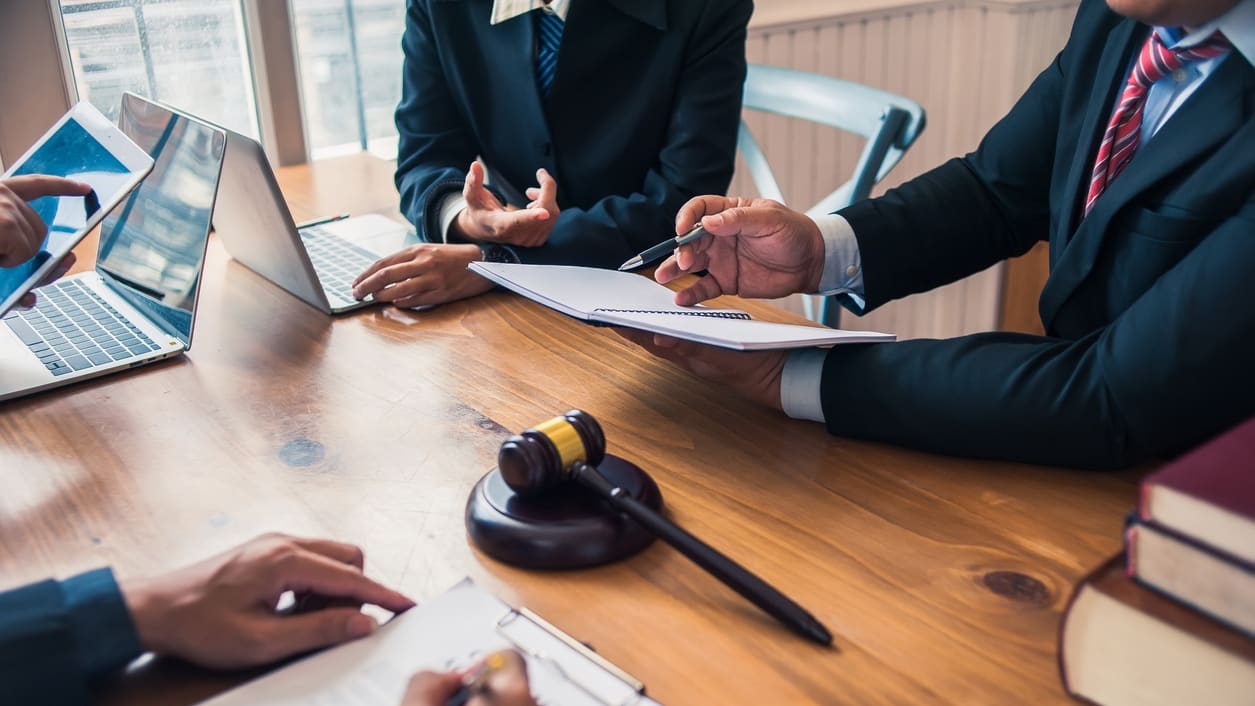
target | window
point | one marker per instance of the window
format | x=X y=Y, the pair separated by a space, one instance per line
x=350 y=65
x=192 y=54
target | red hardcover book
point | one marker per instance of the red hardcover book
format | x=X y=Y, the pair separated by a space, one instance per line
x=1208 y=494
x=1122 y=643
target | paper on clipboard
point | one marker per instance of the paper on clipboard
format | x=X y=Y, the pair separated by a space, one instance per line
x=450 y=631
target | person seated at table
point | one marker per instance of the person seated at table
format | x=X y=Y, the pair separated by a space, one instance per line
x=56 y=637
x=1133 y=155
x=614 y=113
x=22 y=231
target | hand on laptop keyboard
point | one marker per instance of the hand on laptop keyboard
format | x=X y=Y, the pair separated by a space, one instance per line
x=423 y=274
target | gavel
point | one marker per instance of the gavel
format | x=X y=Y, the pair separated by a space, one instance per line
x=568 y=449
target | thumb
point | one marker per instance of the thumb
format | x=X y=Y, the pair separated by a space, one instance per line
x=474 y=191
x=302 y=632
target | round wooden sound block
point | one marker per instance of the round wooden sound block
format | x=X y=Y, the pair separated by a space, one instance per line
x=565 y=527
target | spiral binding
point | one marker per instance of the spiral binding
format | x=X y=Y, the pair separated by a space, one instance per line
x=708 y=313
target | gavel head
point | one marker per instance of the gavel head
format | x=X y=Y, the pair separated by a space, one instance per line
x=546 y=453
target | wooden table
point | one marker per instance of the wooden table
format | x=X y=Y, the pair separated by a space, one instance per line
x=942 y=579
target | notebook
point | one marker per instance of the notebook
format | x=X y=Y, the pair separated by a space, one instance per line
x=451 y=631
x=631 y=300
x=139 y=303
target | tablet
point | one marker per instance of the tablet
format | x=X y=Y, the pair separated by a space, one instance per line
x=82 y=145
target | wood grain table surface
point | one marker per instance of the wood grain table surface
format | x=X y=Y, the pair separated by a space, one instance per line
x=942 y=579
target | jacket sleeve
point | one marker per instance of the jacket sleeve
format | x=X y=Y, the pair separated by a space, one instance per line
x=1171 y=371
x=55 y=637
x=697 y=157
x=434 y=149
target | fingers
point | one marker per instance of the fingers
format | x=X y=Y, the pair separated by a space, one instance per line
x=473 y=190
x=506 y=686
x=375 y=278
x=341 y=552
x=29 y=187
x=431 y=689
x=696 y=208
x=282 y=636
x=548 y=198
x=704 y=288
x=306 y=571
x=746 y=220
x=21 y=231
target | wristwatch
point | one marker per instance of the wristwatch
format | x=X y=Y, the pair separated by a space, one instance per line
x=492 y=252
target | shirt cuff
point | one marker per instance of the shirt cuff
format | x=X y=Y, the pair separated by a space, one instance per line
x=843 y=263
x=452 y=205
x=800 y=397
x=103 y=631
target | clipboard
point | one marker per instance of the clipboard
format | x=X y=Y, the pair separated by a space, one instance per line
x=450 y=631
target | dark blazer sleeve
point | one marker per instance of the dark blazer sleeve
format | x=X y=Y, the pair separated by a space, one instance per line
x=697 y=157
x=434 y=149
x=57 y=636
x=1173 y=370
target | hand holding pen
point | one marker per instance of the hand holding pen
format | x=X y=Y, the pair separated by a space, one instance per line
x=500 y=680
x=663 y=249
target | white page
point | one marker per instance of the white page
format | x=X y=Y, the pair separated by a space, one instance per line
x=580 y=291
x=626 y=299
x=740 y=334
x=451 y=631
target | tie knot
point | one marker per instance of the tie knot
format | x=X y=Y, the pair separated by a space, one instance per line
x=1157 y=60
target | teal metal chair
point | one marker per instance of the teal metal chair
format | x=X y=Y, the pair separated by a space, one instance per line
x=889 y=122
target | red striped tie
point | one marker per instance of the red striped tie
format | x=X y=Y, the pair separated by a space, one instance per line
x=1125 y=130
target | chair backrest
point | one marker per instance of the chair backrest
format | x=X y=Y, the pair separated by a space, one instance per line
x=888 y=121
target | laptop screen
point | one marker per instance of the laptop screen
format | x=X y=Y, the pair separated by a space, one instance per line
x=152 y=246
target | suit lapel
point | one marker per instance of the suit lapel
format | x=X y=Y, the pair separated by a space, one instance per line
x=594 y=38
x=1110 y=77
x=1207 y=118
x=512 y=45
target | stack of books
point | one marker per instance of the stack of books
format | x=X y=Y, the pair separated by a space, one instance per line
x=1172 y=619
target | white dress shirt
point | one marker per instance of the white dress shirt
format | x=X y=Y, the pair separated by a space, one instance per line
x=843 y=269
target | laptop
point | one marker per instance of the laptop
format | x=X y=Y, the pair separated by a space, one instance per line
x=316 y=263
x=139 y=304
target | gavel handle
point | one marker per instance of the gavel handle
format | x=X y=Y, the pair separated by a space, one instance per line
x=737 y=577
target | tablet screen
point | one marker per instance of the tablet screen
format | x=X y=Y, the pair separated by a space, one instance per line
x=74 y=153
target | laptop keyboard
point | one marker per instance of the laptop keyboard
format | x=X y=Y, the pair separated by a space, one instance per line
x=73 y=328
x=337 y=263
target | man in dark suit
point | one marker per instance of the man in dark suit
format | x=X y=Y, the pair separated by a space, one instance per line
x=1133 y=155
x=56 y=637
x=614 y=111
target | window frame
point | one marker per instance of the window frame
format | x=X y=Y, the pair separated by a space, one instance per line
x=33 y=37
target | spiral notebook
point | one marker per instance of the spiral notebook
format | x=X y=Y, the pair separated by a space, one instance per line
x=451 y=631
x=631 y=300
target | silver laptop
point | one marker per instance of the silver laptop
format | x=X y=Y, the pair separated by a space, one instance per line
x=139 y=304
x=316 y=263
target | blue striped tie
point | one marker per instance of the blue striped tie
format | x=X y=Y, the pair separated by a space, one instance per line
x=549 y=31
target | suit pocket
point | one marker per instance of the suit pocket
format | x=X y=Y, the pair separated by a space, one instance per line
x=1168 y=224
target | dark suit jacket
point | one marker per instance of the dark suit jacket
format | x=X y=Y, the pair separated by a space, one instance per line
x=1149 y=310
x=642 y=115
x=55 y=637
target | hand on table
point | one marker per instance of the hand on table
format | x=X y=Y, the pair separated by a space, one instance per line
x=505 y=687
x=756 y=248
x=487 y=220
x=221 y=612
x=755 y=375
x=423 y=275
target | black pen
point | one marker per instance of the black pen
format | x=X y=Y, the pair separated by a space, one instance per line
x=321 y=221
x=732 y=574
x=664 y=248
